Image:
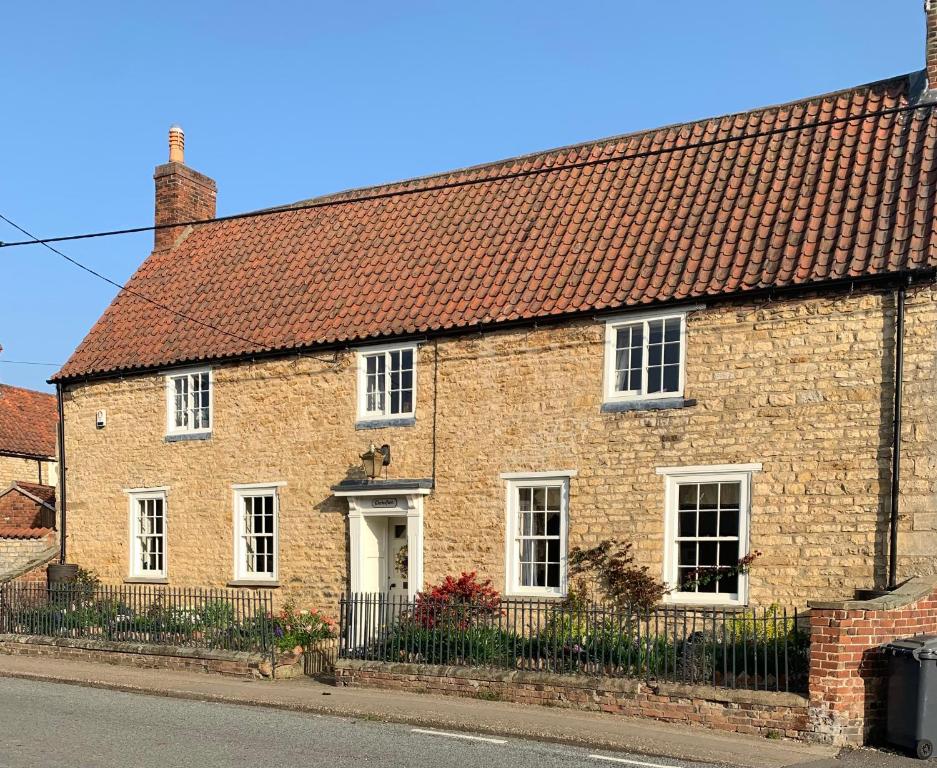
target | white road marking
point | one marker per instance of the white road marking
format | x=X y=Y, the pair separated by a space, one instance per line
x=630 y=762
x=459 y=736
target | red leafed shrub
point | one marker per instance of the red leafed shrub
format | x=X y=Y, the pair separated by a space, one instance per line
x=456 y=602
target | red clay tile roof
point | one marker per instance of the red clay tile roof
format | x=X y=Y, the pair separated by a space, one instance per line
x=20 y=532
x=28 y=422
x=853 y=199
x=45 y=493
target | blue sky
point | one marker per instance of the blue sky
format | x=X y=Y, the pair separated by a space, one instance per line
x=304 y=98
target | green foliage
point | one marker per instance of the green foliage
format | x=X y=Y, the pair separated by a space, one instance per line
x=302 y=628
x=611 y=565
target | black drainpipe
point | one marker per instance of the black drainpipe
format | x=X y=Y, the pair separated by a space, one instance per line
x=61 y=441
x=896 y=441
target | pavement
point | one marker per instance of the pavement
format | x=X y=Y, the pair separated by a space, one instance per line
x=519 y=727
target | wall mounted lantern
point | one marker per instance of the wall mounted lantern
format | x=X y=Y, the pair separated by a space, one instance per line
x=375 y=459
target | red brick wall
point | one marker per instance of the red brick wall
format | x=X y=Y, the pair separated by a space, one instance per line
x=20 y=511
x=181 y=195
x=848 y=671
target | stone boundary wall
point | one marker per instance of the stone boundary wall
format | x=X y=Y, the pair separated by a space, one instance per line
x=230 y=663
x=752 y=712
x=848 y=670
x=33 y=571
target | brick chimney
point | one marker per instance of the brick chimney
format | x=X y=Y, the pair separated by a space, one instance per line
x=181 y=193
x=930 y=10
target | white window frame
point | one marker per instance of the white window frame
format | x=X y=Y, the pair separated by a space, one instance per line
x=135 y=496
x=513 y=481
x=171 y=377
x=673 y=478
x=612 y=325
x=240 y=492
x=361 y=361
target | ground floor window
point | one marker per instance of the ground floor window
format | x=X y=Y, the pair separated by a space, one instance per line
x=148 y=534
x=537 y=521
x=256 y=509
x=708 y=513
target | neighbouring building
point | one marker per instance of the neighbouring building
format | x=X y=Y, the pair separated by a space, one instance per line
x=684 y=338
x=28 y=474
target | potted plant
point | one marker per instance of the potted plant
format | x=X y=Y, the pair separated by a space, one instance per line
x=305 y=634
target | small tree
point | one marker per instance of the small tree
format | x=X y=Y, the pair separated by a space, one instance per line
x=456 y=602
x=611 y=566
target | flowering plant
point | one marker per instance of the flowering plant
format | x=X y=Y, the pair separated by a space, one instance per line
x=456 y=602
x=294 y=628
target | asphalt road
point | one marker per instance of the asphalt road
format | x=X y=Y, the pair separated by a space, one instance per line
x=47 y=724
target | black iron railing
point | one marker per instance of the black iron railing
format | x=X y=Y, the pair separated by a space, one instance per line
x=752 y=648
x=217 y=619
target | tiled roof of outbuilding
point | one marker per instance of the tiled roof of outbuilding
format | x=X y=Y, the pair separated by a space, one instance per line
x=28 y=422
x=854 y=199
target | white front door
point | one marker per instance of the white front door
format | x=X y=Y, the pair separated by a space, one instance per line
x=397 y=558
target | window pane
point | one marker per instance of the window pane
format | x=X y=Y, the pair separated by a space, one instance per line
x=671 y=378
x=629 y=350
x=672 y=354
x=687 y=496
x=553 y=575
x=729 y=522
x=687 y=554
x=683 y=576
x=553 y=498
x=540 y=498
x=523 y=495
x=553 y=550
x=729 y=584
x=539 y=528
x=654 y=353
x=707 y=553
x=709 y=496
x=707 y=523
x=728 y=553
x=672 y=331
x=687 y=525
x=655 y=331
x=729 y=495
x=553 y=523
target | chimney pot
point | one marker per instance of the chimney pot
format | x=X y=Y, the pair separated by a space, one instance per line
x=176 y=144
x=930 y=45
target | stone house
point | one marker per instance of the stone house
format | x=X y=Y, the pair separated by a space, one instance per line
x=28 y=422
x=28 y=474
x=686 y=338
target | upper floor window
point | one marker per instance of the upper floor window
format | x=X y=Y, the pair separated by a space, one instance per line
x=708 y=514
x=148 y=533
x=387 y=382
x=537 y=521
x=189 y=402
x=644 y=357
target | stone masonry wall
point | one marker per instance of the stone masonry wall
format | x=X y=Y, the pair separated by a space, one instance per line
x=751 y=712
x=14 y=468
x=17 y=554
x=802 y=386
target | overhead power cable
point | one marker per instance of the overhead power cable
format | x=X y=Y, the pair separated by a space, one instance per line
x=29 y=362
x=132 y=292
x=421 y=189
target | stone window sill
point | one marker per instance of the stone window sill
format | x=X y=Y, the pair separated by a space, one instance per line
x=663 y=404
x=382 y=423
x=145 y=580
x=254 y=583
x=186 y=436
